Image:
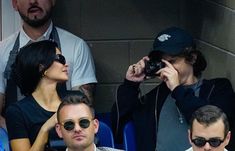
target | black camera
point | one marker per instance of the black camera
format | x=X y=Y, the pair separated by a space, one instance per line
x=152 y=66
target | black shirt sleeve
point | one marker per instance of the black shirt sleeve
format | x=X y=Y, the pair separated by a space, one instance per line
x=15 y=123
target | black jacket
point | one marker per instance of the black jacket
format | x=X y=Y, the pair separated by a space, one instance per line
x=128 y=106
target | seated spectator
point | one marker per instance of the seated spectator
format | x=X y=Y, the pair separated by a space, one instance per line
x=209 y=129
x=30 y=122
x=161 y=116
x=77 y=124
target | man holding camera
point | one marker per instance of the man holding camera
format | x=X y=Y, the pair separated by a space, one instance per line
x=161 y=116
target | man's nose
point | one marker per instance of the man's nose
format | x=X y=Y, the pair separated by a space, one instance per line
x=77 y=127
x=207 y=147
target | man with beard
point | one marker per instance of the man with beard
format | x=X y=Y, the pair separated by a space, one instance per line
x=37 y=25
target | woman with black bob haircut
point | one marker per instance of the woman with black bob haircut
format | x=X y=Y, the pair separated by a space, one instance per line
x=29 y=68
x=37 y=69
x=167 y=108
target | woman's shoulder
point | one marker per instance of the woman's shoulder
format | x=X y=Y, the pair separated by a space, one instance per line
x=25 y=101
x=23 y=104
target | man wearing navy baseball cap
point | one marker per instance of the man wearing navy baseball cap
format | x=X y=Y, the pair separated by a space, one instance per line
x=173 y=41
x=161 y=116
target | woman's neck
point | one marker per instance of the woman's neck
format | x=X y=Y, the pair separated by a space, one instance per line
x=47 y=96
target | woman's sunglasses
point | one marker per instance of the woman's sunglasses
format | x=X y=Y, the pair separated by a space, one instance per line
x=200 y=142
x=60 y=58
x=70 y=125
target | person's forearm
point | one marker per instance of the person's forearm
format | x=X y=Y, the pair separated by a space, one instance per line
x=23 y=144
x=88 y=90
x=41 y=140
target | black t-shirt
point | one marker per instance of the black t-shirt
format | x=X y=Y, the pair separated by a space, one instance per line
x=25 y=118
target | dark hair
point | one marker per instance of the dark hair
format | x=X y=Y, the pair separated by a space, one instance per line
x=31 y=63
x=74 y=99
x=196 y=58
x=209 y=114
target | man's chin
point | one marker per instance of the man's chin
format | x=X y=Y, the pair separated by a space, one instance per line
x=36 y=22
x=79 y=146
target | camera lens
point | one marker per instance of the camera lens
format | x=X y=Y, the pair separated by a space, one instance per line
x=151 y=67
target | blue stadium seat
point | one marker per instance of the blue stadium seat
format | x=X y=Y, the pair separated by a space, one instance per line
x=104 y=117
x=1 y=146
x=104 y=136
x=129 y=143
x=4 y=139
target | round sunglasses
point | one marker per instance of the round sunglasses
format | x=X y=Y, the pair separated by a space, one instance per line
x=70 y=124
x=214 y=142
x=60 y=58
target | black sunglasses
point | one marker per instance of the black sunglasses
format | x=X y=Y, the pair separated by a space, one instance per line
x=70 y=125
x=60 y=58
x=214 y=142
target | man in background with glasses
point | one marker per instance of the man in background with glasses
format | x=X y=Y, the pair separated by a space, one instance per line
x=77 y=124
x=209 y=129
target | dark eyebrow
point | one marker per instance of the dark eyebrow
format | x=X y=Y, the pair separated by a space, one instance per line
x=208 y=138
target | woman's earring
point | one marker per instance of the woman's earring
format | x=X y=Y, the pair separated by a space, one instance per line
x=45 y=73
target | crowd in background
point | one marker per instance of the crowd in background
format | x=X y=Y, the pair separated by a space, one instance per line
x=45 y=63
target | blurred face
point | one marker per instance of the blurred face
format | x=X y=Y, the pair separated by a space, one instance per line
x=184 y=69
x=79 y=134
x=214 y=132
x=34 y=12
x=58 y=71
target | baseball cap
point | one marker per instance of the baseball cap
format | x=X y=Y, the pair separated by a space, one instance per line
x=172 y=41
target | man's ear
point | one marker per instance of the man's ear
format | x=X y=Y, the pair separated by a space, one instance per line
x=189 y=136
x=96 y=125
x=227 y=139
x=193 y=58
x=14 y=4
x=58 y=130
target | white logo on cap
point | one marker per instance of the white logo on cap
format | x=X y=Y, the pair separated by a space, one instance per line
x=164 y=37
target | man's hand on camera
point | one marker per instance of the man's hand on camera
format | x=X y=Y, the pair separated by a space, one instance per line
x=135 y=72
x=169 y=75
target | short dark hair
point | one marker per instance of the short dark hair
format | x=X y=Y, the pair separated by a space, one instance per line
x=31 y=63
x=209 y=114
x=74 y=99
